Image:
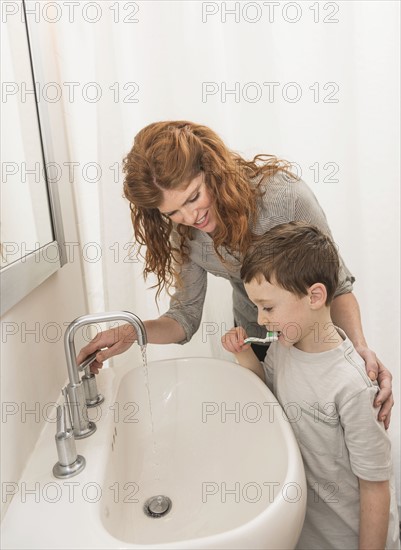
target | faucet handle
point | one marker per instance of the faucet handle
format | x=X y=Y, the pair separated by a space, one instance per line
x=62 y=415
x=92 y=396
x=69 y=462
x=88 y=360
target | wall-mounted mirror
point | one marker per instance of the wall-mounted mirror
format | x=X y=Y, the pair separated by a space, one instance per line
x=31 y=231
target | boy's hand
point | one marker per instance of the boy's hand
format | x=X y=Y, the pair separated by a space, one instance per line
x=233 y=340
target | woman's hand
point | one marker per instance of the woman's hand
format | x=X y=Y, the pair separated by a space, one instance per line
x=377 y=371
x=346 y=315
x=116 y=340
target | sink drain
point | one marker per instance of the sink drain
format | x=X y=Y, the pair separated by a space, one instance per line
x=158 y=506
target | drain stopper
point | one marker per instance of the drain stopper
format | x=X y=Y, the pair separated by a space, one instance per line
x=157 y=506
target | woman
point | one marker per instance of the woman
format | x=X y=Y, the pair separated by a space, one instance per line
x=195 y=205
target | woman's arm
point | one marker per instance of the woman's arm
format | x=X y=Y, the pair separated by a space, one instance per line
x=374 y=514
x=117 y=340
x=345 y=314
x=175 y=326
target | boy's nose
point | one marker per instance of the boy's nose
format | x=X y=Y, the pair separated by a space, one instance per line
x=262 y=320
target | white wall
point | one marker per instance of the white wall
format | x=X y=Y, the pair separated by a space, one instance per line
x=33 y=366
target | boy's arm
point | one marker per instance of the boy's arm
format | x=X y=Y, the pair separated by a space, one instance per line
x=233 y=341
x=249 y=360
x=374 y=514
x=369 y=450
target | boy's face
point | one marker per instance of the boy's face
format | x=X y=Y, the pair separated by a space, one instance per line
x=280 y=310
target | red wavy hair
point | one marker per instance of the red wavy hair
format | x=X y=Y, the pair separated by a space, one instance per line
x=169 y=155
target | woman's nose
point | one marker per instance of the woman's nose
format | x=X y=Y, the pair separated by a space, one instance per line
x=189 y=216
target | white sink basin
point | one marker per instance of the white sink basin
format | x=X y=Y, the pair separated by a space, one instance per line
x=214 y=441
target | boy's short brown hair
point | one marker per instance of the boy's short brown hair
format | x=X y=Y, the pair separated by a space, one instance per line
x=295 y=255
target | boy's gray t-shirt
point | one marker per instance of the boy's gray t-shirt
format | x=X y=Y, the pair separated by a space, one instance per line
x=284 y=200
x=328 y=399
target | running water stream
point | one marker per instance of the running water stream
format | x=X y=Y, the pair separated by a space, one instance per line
x=146 y=373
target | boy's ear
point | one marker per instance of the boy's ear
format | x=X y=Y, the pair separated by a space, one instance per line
x=317 y=295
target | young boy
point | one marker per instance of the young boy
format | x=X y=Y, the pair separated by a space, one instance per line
x=290 y=274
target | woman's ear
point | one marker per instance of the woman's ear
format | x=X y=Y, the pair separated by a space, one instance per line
x=317 y=295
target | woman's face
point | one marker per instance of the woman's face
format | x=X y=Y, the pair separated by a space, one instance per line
x=190 y=206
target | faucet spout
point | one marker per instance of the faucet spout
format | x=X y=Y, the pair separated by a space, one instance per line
x=81 y=425
x=97 y=318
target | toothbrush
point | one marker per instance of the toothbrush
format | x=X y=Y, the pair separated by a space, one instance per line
x=270 y=337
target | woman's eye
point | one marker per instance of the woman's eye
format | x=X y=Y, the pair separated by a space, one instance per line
x=171 y=214
x=195 y=198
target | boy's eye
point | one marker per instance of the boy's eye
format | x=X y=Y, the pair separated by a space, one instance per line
x=268 y=309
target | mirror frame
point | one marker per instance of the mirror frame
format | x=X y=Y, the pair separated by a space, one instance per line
x=22 y=276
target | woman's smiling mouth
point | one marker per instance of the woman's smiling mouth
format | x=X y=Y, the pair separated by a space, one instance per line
x=202 y=221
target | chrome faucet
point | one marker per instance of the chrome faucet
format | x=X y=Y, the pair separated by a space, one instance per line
x=83 y=392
